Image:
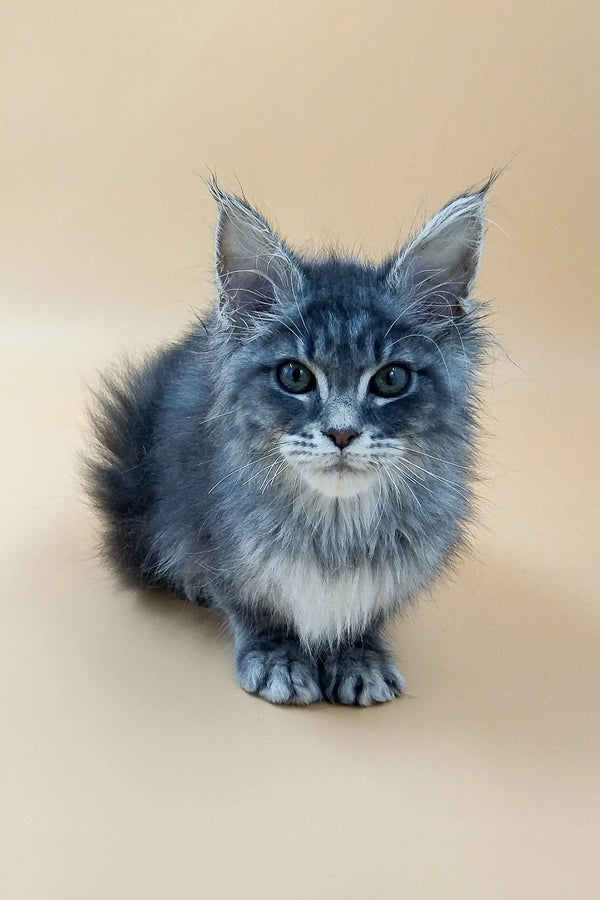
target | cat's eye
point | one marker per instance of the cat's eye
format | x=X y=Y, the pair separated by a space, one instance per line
x=390 y=381
x=295 y=378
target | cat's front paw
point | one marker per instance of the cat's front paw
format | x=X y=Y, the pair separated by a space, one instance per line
x=279 y=672
x=358 y=676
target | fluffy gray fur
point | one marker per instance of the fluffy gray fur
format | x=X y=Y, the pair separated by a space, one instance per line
x=308 y=518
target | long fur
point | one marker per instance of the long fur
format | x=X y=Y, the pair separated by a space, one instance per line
x=216 y=483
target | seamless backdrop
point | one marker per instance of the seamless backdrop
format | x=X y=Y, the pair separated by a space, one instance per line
x=131 y=764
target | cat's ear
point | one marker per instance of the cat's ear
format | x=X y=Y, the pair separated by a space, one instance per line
x=441 y=262
x=254 y=269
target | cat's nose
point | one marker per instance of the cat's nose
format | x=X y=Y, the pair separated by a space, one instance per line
x=341 y=438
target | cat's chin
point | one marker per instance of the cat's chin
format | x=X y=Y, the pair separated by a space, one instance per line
x=336 y=483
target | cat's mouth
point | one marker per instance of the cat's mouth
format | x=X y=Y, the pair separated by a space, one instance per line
x=339 y=478
x=341 y=465
x=331 y=473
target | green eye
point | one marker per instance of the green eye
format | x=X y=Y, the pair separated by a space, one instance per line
x=390 y=381
x=295 y=378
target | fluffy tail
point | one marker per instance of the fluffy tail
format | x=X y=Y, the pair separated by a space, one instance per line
x=118 y=471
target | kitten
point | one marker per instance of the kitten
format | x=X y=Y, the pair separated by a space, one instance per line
x=302 y=460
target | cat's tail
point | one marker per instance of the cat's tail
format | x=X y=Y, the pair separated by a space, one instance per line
x=117 y=471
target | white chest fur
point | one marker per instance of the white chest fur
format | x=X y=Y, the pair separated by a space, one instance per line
x=321 y=607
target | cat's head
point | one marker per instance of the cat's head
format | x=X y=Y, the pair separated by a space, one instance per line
x=346 y=375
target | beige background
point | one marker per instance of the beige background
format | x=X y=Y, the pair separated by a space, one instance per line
x=131 y=763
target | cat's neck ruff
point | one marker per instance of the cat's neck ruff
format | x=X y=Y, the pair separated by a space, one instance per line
x=347 y=516
x=324 y=574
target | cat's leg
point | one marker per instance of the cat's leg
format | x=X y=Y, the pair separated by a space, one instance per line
x=360 y=672
x=271 y=662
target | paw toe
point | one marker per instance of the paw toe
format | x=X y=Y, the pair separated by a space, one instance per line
x=360 y=680
x=278 y=678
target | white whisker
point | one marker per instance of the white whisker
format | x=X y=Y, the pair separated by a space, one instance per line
x=241 y=468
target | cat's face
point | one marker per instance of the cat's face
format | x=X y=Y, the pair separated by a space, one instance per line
x=350 y=376
x=346 y=445
x=350 y=397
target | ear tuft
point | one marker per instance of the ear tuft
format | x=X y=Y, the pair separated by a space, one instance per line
x=254 y=269
x=441 y=262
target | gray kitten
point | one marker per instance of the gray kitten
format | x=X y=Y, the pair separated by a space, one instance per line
x=302 y=460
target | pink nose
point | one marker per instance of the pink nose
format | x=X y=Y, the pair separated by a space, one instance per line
x=341 y=438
